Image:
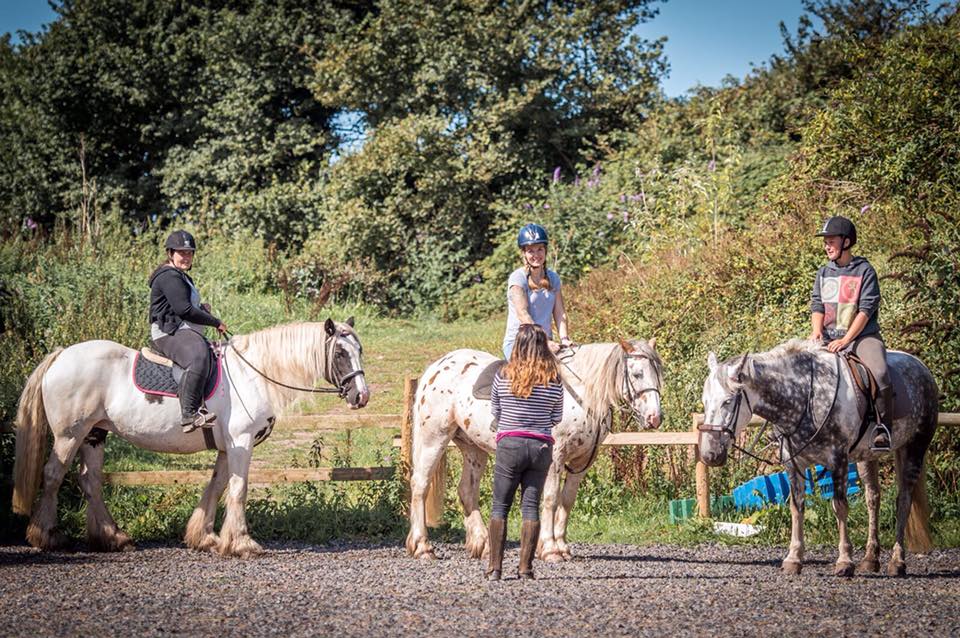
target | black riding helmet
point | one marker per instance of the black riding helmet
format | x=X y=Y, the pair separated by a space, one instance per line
x=840 y=226
x=180 y=240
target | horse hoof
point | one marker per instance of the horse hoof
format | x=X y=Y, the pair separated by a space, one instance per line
x=553 y=557
x=792 y=568
x=896 y=568
x=566 y=554
x=868 y=566
x=844 y=570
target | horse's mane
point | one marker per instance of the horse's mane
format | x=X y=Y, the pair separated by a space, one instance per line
x=599 y=367
x=293 y=353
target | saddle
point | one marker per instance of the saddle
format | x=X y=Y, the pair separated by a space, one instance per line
x=867 y=384
x=484 y=382
x=155 y=374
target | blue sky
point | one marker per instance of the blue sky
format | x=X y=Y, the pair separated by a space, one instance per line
x=708 y=39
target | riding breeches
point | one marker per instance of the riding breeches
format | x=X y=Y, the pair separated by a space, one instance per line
x=873 y=353
x=520 y=462
x=189 y=350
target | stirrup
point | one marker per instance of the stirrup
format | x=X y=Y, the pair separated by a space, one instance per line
x=202 y=419
x=881 y=429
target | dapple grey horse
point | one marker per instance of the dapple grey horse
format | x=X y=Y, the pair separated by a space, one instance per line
x=817 y=412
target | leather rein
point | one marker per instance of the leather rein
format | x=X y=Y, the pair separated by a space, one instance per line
x=341 y=383
x=631 y=394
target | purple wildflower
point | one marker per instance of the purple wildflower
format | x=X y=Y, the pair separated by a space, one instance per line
x=609 y=215
x=865 y=209
x=528 y=206
x=626 y=216
x=576 y=181
x=596 y=170
x=623 y=198
x=556 y=175
x=29 y=224
x=547 y=206
x=712 y=166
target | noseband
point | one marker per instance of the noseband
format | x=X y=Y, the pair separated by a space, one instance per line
x=632 y=393
x=729 y=425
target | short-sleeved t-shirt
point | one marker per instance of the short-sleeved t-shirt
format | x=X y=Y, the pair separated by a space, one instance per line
x=540 y=303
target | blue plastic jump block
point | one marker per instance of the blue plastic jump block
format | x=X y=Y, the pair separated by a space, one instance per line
x=773 y=489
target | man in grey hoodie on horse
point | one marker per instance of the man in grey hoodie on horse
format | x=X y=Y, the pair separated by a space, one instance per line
x=844 y=306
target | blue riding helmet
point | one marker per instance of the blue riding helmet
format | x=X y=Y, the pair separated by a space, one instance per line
x=531 y=234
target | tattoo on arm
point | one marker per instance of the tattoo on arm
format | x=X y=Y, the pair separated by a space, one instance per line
x=519 y=300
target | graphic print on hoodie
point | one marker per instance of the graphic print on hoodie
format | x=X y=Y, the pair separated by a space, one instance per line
x=841 y=292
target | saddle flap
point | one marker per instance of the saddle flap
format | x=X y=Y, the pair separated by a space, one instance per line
x=481 y=388
x=152 y=355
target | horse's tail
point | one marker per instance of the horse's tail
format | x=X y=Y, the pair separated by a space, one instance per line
x=436 y=492
x=918 y=537
x=31 y=427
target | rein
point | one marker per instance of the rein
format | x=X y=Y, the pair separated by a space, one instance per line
x=630 y=391
x=340 y=390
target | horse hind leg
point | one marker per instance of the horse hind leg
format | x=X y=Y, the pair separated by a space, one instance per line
x=474 y=464
x=41 y=531
x=103 y=534
x=869 y=475
x=200 y=535
x=426 y=456
x=912 y=507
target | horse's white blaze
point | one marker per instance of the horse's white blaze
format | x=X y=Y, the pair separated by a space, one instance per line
x=352 y=346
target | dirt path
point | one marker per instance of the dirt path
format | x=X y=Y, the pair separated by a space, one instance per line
x=352 y=590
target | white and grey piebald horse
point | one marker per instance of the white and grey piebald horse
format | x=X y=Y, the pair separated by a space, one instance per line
x=597 y=378
x=817 y=412
x=86 y=390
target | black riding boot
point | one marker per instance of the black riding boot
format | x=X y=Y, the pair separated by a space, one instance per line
x=529 y=535
x=881 y=433
x=497 y=537
x=193 y=414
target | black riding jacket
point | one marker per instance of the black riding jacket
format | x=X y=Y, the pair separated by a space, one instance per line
x=170 y=301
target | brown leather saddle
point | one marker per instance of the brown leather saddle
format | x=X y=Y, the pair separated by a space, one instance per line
x=867 y=384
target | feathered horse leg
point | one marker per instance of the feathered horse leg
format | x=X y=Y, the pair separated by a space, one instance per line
x=200 y=535
x=103 y=534
x=234 y=538
x=474 y=464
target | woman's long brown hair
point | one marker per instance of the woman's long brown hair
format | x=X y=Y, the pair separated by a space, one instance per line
x=531 y=362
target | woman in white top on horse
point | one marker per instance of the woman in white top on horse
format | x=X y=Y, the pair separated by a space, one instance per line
x=533 y=292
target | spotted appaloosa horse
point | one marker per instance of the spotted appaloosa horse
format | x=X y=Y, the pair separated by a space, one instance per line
x=809 y=396
x=602 y=376
x=85 y=391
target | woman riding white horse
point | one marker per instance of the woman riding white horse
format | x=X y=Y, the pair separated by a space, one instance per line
x=85 y=391
x=177 y=318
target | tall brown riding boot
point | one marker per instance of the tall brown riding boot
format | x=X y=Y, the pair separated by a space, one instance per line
x=497 y=537
x=882 y=432
x=529 y=535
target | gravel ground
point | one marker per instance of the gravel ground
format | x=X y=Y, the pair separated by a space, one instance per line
x=350 y=589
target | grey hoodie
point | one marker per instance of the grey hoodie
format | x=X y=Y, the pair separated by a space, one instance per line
x=841 y=292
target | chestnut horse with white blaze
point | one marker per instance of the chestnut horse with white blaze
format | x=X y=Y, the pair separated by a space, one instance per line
x=85 y=391
x=597 y=378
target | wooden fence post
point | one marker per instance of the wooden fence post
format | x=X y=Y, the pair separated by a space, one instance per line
x=406 y=434
x=702 y=478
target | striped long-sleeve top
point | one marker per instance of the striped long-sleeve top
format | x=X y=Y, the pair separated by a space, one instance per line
x=532 y=417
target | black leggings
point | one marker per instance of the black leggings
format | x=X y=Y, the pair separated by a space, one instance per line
x=521 y=462
x=189 y=350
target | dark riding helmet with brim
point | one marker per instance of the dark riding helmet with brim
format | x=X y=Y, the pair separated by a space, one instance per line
x=839 y=226
x=531 y=234
x=180 y=240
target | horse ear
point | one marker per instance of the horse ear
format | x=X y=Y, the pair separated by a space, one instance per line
x=329 y=326
x=736 y=374
x=350 y=321
x=626 y=345
x=712 y=361
x=652 y=342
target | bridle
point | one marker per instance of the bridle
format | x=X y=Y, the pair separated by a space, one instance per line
x=329 y=353
x=728 y=427
x=630 y=392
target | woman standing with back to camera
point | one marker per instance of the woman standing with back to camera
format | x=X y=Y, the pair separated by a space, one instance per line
x=527 y=401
